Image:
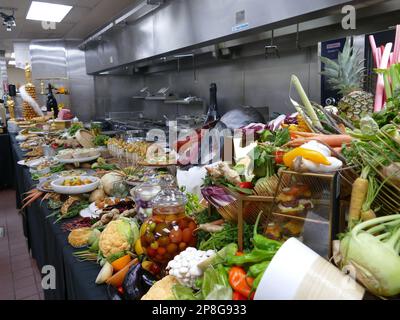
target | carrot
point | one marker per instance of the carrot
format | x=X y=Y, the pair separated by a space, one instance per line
x=332 y=140
x=304 y=134
x=338 y=149
x=120 y=263
x=31 y=200
x=358 y=196
x=118 y=278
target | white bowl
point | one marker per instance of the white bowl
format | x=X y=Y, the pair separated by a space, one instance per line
x=298 y=273
x=59 y=188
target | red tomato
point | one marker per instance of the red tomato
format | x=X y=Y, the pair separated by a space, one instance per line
x=161 y=251
x=151 y=252
x=246 y=185
x=187 y=235
x=172 y=248
x=192 y=225
x=155 y=268
x=175 y=236
x=279 y=156
x=182 y=246
x=183 y=224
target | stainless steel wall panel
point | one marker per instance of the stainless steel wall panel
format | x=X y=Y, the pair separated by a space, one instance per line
x=135 y=42
x=63 y=59
x=81 y=84
x=48 y=58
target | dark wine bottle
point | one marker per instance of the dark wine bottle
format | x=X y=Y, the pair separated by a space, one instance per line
x=212 y=112
x=51 y=103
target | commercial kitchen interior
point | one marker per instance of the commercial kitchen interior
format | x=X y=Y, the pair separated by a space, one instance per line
x=132 y=63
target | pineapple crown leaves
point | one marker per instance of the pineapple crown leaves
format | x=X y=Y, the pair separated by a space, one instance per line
x=347 y=74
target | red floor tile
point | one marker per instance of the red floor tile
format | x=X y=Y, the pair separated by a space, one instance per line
x=26 y=292
x=23 y=273
x=24 y=282
x=34 y=297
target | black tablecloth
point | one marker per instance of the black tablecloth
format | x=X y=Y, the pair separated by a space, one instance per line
x=49 y=245
x=6 y=163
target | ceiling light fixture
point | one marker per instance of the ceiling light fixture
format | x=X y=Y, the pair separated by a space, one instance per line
x=44 y=11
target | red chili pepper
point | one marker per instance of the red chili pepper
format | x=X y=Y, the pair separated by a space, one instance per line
x=238 y=296
x=246 y=185
x=240 y=282
x=279 y=156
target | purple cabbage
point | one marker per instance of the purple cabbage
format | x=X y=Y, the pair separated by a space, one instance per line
x=217 y=196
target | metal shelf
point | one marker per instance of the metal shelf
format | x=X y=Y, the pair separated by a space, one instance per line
x=155 y=98
x=185 y=102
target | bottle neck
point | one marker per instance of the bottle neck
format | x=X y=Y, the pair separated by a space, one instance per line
x=213 y=97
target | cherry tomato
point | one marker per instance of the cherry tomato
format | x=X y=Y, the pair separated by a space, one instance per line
x=183 y=223
x=175 y=236
x=187 y=235
x=182 y=246
x=151 y=252
x=149 y=237
x=155 y=268
x=161 y=251
x=192 y=225
x=192 y=242
x=172 y=248
x=163 y=241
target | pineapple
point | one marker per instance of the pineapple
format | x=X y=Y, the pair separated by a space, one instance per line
x=347 y=75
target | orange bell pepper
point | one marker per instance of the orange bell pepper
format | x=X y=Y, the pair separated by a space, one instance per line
x=308 y=154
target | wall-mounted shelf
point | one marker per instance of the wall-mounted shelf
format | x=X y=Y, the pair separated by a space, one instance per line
x=185 y=102
x=162 y=98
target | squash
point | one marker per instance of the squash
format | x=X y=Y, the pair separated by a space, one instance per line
x=109 y=180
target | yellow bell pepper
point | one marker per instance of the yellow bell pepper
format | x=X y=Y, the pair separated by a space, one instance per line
x=311 y=155
x=138 y=247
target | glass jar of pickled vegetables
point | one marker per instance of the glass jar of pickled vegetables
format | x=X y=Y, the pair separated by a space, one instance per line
x=143 y=194
x=169 y=230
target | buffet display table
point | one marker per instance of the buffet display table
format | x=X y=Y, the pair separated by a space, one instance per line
x=49 y=245
x=6 y=166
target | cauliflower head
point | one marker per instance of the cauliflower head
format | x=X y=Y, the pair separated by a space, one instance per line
x=116 y=238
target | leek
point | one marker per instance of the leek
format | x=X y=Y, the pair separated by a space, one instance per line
x=372 y=248
x=309 y=110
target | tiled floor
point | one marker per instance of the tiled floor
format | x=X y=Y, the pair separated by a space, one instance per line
x=19 y=275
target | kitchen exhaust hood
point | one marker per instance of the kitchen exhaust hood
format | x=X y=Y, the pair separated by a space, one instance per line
x=183 y=25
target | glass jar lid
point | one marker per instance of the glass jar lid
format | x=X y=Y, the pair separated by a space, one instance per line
x=147 y=190
x=169 y=197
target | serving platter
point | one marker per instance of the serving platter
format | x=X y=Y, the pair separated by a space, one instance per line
x=78 y=160
x=45 y=186
x=59 y=188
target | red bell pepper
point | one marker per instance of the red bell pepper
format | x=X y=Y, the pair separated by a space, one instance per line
x=240 y=282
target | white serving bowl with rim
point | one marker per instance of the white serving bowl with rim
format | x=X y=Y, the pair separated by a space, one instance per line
x=59 y=188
